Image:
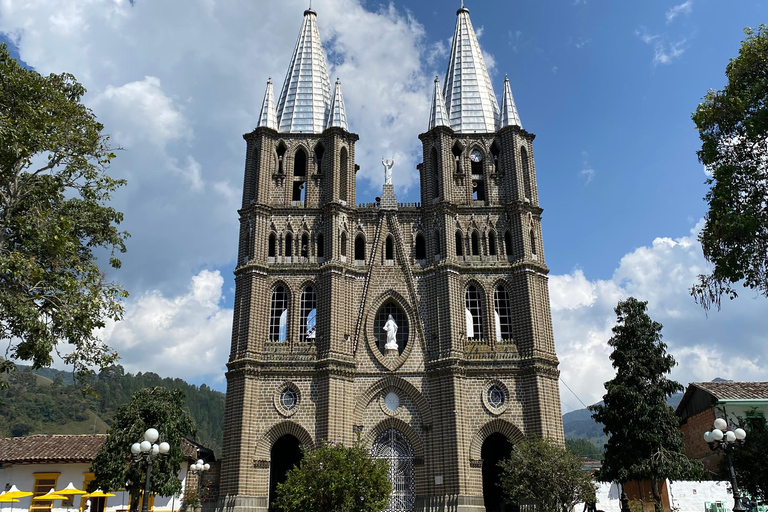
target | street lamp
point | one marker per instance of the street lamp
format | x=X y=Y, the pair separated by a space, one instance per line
x=147 y=449
x=722 y=437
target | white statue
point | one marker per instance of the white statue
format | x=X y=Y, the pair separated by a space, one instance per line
x=387 y=170
x=391 y=328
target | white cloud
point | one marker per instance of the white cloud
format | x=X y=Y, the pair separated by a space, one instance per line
x=587 y=173
x=173 y=336
x=731 y=343
x=664 y=52
x=684 y=8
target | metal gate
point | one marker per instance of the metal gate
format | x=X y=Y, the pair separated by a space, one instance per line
x=395 y=448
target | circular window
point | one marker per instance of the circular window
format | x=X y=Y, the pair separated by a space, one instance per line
x=392 y=401
x=495 y=397
x=391 y=324
x=288 y=399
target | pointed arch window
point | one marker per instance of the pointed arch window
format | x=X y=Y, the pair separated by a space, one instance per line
x=526 y=173
x=459 y=244
x=457 y=150
x=533 y=243
x=288 y=246
x=421 y=248
x=473 y=312
x=503 y=314
x=319 y=153
x=437 y=245
x=278 y=315
x=435 y=174
x=508 y=243
x=492 y=243
x=299 y=176
x=281 y=149
x=389 y=249
x=495 y=154
x=308 y=325
x=304 y=246
x=320 y=251
x=343 y=178
x=300 y=163
x=272 y=246
x=360 y=248
x=344 y=246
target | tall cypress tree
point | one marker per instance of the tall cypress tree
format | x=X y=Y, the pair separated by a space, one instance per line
x=644 y=442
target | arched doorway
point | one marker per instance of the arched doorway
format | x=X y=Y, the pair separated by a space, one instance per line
x=395 y=448
x=496 y=447
x=285 y=454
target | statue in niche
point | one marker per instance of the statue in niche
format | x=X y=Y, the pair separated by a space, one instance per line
x=388 y=164
x=391 y=329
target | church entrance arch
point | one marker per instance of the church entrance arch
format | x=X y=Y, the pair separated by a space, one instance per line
x=496 y=447
x=285 y=454
x=396 y=449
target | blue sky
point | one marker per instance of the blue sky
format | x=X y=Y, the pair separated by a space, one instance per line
x=608 y=87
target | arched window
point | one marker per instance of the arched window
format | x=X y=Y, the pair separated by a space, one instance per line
x=288 y=246
x=459 y=244
x=278 y=315
x=343 y=179
x=300 y=163
x=272 y=245
x=457 y=150
x=533 y=243
x=299 y=176
x=437 y=245
x=280 y=157
x=389 y=251
x=435 y=173
x=508 y=243
x=320 y=249
x=491 y=243
x=495 y=153
x=503 y=314
x=343 y=245
x=526 y=173
x=475 y=244
x=360 y=248
x=473 y=313
x=395 y=448
x=421 y=248
x=304 y=246
x=308 y=314
x=319 y=153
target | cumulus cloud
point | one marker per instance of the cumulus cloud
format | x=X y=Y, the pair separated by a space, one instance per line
x=684 y=8
x=730 y=343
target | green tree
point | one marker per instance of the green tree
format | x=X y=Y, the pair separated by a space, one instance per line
x=644 y=442
x=336 y=478
x=733 y=127
x=541 y=472
x=583 y=448
x=749 y=460
x=113 y=466
x=54 y=191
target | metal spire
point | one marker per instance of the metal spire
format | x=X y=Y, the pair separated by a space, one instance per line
x=469 y=96
x=305 y=100
x=509 y=115
x=437 y=114
x=338 y=117
x=268 y=116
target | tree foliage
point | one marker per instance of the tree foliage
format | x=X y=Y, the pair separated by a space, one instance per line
x=54 y=191
x=749 y=461
x=541 y=472
x=644 y=442
x=581 y=447
x=113 y=466
x=733 y=127
x=336 y=478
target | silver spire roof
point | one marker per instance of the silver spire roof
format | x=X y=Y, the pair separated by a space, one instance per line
x=469 y=96
x=338 y=117
x=438 y=115
x=268 y=116
x=509 y=115
x=305 y=100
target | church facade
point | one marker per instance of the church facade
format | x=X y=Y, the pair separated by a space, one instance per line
x=422 y=329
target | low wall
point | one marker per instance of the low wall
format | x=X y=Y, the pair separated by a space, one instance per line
x=683 y=496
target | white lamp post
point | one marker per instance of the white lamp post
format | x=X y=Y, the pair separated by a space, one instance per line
x=147 y=449
x=722 y=437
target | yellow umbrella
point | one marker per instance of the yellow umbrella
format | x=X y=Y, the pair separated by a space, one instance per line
x=6 y=499
x=50 y=495
x=98 y=493
x=14 y=492
x=69 y=490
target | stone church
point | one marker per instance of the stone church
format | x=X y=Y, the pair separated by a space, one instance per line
x=423 y=328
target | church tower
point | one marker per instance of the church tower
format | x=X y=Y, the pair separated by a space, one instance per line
x=321 y=280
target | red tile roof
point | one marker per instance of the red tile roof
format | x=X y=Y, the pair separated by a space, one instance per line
x=49 y=448
x=735 y=390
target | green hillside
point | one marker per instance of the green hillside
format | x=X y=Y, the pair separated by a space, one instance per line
x=47 y=402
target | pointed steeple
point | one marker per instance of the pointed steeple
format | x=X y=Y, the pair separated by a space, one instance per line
x=305 y=100
x=338 y=117
x=437 y=114
x=509 y=115
x=469 y=96
x=268 y=116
